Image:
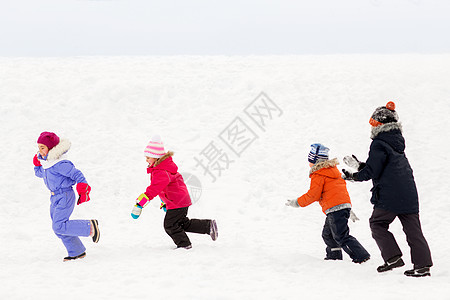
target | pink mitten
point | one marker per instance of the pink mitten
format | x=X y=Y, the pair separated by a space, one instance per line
x=36 y=161
x=83 y=190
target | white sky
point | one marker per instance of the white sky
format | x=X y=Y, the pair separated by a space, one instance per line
x=228 y=27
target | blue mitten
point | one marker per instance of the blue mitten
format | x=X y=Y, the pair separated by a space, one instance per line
x=136 y=212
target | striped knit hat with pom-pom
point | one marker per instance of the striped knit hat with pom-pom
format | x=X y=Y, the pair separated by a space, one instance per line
x=384 y=114
x=155 y=147
x=318 y=153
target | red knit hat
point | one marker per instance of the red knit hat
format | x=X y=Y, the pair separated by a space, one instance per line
x=48 y=139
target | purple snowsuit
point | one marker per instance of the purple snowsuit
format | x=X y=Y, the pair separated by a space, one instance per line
x=59 y=176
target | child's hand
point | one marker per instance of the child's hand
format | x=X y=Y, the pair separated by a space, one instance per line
x=136 y=212
x=353 y=216
x=83 y=190
x=293 y=203
x=36 y=161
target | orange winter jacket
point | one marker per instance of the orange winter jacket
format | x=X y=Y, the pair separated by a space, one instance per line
x=327 y=186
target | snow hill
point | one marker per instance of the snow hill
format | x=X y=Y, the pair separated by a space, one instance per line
x=109 y=107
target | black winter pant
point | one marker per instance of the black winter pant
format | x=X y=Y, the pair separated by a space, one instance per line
x=176 y=224
x=379 y=224
x=336 y=235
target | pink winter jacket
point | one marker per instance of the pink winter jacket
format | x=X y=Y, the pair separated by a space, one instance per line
x=168 y=184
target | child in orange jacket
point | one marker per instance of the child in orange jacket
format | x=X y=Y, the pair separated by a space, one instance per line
x=329 y=189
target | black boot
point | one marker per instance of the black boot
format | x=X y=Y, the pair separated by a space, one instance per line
x=213 y=232
x=419 y=272
x=96 y=235
x=82 y=255
x=394 y=262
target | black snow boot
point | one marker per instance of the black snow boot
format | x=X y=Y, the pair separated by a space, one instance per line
x=419 y=272
x=213 y=232
x=96 y=235
x=82 y=255
x=394 y=262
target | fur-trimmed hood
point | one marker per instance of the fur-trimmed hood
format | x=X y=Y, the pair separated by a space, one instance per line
x=324 y=164
x=56 y=154
x=390 y=133
x=385 y=128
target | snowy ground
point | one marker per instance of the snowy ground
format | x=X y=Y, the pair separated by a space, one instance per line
x=110 y=106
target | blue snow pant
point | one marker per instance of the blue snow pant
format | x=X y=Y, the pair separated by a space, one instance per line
x=62 y=205
x=336 y=236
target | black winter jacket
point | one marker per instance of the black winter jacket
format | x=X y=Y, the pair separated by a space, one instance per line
x=394 y=188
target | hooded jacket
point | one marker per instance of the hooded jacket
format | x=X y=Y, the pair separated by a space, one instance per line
x=57 y=171
x=168 y=184
x=394 y=188
x=327 y=187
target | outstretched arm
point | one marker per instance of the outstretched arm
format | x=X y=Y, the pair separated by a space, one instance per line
x=314 y=193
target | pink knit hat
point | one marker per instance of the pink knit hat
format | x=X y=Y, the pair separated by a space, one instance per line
x=48 y=139
x=155 y=147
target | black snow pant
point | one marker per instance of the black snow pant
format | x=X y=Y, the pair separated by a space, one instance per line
x=176 y=224
x=336 y=236
x=379 y=224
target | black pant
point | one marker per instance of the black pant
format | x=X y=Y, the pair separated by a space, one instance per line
x=336 y=235
x=176 y=224
x=379 y=224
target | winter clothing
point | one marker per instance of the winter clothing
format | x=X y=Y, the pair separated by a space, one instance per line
x=394 y=192
x=354 y=163
x=68 y=258
x=418 y=272
x=176 y=224
x=83 y=190
x=335 y=234
x=394 y=188
x=62 y=205
x=136 y=211
x=379 y=225
x=36 y=161
x=392 y=263
x=155 y=147
x=383 y=115
x=142 y=200
x=292 y=203
x=59 y=175
x=327 y=187
x=168 y=184
x=95 y=231
x=48 y=139
x=213 y=230
x=318 y=153
x=57 y=171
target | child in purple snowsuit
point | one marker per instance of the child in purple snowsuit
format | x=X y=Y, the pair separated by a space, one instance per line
x=59 y=176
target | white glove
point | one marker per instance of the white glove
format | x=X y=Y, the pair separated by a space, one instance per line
x=292 y=203
x=352 y=162
x=353 y=216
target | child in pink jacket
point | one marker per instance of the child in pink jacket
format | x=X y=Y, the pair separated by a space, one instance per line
x=169 y=185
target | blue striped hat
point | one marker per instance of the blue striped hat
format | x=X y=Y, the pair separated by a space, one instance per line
x=318 y=152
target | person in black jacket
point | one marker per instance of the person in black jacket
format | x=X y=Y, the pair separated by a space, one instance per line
x=394 y=193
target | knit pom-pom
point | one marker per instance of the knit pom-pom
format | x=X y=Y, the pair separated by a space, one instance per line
x=390 y=105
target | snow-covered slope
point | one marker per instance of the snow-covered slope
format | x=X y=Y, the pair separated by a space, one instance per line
x=109 y=107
